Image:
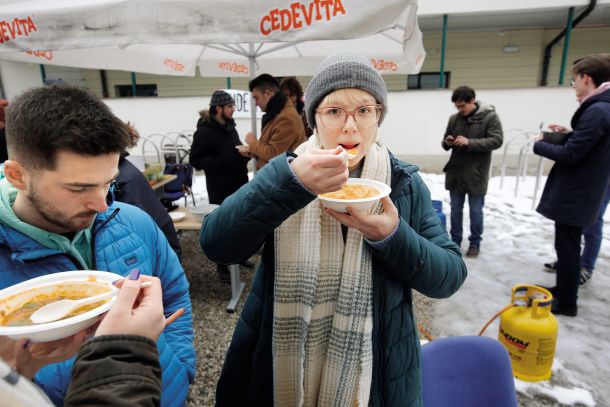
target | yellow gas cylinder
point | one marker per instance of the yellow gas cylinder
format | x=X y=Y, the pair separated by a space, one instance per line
x=529 y=332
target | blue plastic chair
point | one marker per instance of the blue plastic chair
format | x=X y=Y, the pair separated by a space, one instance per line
x=181 y=186
x=467 y=371
x=438 y=207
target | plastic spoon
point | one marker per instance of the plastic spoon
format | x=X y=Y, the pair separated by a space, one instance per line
x=59 y=309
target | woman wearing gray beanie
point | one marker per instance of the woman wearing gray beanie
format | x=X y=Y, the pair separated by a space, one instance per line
x=329 y=321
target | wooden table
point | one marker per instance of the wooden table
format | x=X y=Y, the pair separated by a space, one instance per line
x=164 y=180
x=161 y=182
x=192 y=222
x=189 y=222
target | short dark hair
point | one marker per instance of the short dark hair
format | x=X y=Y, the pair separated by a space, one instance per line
x=596 y=66
x=45 y=120
x=263 y=82
x=464 y=94
x=292 y=85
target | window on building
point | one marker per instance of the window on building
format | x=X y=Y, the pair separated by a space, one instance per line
x=124 y=91
x=427 y=80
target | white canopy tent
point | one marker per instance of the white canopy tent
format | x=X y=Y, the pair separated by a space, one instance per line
x=226 y=38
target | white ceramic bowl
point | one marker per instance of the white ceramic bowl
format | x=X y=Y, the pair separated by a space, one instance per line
x=362 y=205
x=201 y=210
x=14 y=296
x=177 y=216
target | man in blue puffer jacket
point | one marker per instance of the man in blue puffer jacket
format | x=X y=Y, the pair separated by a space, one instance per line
x=64 y=146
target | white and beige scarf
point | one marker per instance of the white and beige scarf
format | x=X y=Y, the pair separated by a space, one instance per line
x=323 y=309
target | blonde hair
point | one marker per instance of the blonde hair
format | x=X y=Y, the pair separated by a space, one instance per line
x=347 y=96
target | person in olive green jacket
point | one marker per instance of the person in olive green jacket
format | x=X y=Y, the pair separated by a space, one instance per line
x=472 y=134
x=329 y=320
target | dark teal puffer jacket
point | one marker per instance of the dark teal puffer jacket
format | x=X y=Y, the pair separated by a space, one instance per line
x=420 y=256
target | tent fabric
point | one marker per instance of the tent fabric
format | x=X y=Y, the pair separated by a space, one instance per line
x=174 y=37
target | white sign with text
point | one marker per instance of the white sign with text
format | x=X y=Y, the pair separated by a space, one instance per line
x=242 y=104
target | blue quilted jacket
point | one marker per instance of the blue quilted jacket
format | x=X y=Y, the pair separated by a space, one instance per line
x=124 y=238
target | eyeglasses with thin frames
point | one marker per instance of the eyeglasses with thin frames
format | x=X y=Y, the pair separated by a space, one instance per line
x=335 y=117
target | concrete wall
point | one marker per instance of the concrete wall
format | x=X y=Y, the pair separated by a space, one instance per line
x=413 y=127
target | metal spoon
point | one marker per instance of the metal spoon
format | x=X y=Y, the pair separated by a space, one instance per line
x=59 y=309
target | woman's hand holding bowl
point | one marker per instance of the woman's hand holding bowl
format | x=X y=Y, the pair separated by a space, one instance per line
x=373 y=227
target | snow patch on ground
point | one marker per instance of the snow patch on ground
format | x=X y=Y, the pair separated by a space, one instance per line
x=516 y=242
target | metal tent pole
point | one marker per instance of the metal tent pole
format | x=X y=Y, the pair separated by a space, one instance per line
x=251 y=68
x=441 y=76
x=133 y=84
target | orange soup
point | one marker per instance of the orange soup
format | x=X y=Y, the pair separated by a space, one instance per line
x=21 y=315
x=352 y=191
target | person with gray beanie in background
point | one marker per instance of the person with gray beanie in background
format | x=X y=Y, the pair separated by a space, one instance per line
x=329 y=320
x=213 y=151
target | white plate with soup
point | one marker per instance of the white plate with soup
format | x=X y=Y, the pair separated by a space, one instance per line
x=19 y=301
x=359 y=193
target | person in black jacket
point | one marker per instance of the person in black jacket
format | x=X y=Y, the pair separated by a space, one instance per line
x=213 y=151
x=575 y=188
x=291 y=87
x=134 y=189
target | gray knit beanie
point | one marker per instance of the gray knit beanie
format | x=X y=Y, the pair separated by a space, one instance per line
x=221 y=98
x=340 y=71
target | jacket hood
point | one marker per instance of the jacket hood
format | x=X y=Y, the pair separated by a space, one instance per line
x=402 y=175
x=602 y=97
x=205 y=114
x=483 y=109
x=46 y=242
x=206 y=119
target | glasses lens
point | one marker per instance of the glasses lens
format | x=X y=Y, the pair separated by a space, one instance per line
x=333 y=117
x=367 y=116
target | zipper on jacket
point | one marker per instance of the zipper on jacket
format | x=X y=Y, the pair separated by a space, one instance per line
x=93 y=257
x=72 y=259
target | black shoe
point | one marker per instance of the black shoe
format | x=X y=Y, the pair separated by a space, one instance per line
x=550 y=267
x=562 y=309
x=473 y=251
x=223 y=273
x=247 y=263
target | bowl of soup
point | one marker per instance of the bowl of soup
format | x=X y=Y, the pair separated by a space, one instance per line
x=200 y=211
x=19 y=301
x=359 y=193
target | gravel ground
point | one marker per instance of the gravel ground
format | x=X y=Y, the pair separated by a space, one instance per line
x=214 y=326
